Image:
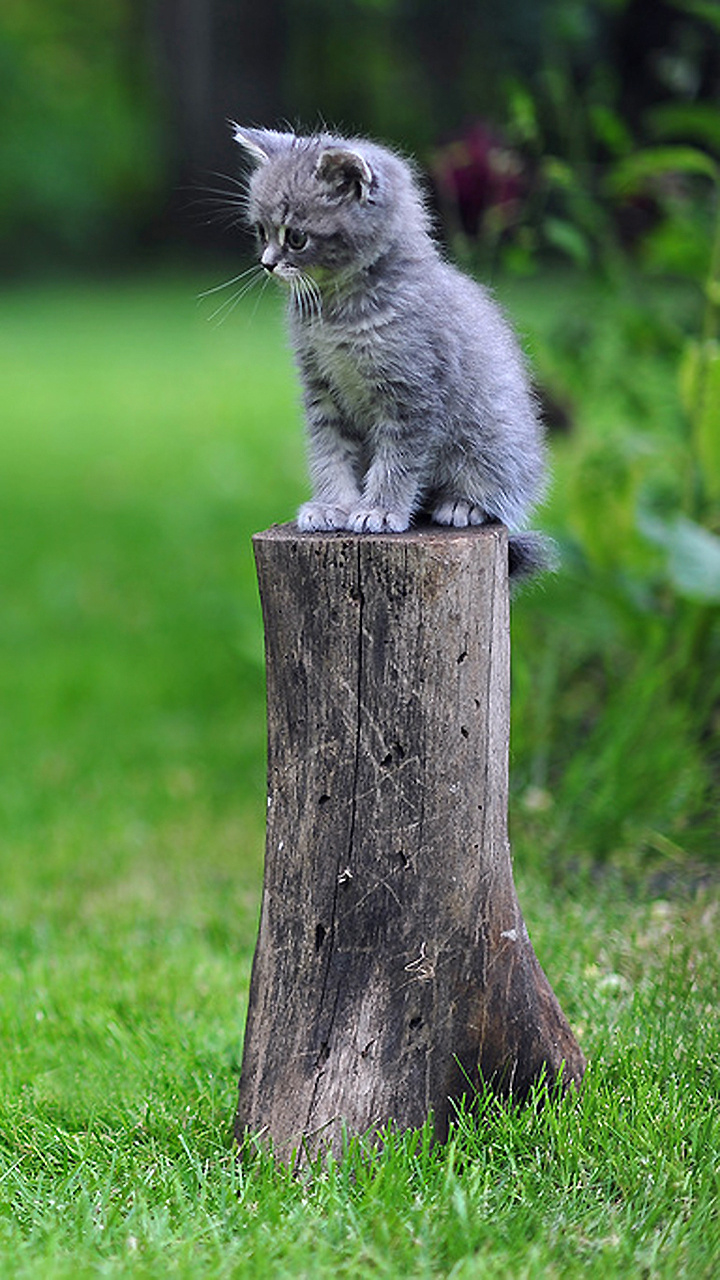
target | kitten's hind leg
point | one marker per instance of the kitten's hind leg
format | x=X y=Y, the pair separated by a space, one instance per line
x=458 y=512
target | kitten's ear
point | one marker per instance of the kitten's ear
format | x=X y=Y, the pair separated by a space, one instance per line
x=261 y=144
x=346 y=171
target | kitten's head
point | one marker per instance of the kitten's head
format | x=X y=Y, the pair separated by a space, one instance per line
x=326 y=209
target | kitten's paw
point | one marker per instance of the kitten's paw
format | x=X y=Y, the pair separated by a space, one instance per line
x=321 y=517
x=458 y=513
x=377 y=520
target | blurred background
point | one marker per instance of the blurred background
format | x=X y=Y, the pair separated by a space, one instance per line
x=572 y=153
x=522 y=113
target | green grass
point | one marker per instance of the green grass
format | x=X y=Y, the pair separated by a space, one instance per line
x=140 y=448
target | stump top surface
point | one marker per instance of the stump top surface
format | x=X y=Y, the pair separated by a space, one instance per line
x=430 y=535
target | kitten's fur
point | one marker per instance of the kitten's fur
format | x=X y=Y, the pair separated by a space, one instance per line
x=416 y=395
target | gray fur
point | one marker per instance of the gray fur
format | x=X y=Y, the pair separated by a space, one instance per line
x=416 y=396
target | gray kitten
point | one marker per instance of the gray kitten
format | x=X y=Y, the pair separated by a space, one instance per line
x=416 y=395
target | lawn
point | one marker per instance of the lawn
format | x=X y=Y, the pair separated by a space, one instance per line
x=142 y=443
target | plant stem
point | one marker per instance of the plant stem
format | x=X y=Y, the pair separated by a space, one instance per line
x=707 y=349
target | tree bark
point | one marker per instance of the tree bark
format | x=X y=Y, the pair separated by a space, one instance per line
x=393 y=969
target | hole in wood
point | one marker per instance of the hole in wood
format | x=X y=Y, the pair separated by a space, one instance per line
x=395 y=755
x=323 y=800
x=465 y=732
x=320 y=936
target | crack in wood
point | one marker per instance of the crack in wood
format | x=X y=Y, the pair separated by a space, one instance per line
x=345 y=858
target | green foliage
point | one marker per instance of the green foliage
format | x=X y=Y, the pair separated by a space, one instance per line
x=79 y=160
x=102 y=111
x=641 y=502
x=613 y=165
x=411 y=74
x=615 y=729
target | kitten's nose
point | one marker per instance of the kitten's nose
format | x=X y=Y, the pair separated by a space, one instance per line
x=270 y=258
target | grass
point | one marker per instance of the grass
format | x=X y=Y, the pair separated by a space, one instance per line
x=141 y=447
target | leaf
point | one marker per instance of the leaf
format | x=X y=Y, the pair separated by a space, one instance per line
x=602 y=495
x=558 y=173
x=699 y=379
x=697 y=122
x=610 y=128
x=693 y=555
x=566 y=237
x=705 y=9
x=634 y=172
x=523 y=112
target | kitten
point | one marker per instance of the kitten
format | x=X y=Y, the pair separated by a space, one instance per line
x=416 y=395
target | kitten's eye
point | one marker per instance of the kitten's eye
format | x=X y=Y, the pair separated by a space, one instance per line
x=261 y=233
x=296 y=240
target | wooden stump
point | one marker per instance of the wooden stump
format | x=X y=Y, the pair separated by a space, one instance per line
x=393 y=968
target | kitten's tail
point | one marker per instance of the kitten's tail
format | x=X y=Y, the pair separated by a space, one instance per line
x=529 y=554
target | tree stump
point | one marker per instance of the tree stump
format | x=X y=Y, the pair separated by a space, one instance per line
x=393 y=968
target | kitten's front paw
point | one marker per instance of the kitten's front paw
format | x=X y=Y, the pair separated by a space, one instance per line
x=377 y=520
x=458 y=513
x=321 y=517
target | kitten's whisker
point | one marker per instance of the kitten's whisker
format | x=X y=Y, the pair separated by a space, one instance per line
x=253 y=270
x=316 y=295
x=220 y=211
x=263 y=287
x=226 y=308
x=310 y=304
x=220 y=208
x=299 y=295
x=221 y=314
x=238 y=198
x=228 y=177
x=231 y=196
x=306 y=296
x=237 y=190
x=306 y=308
x=229 y=204
x=312 y=294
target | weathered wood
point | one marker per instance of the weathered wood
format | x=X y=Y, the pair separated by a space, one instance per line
x=393 y=966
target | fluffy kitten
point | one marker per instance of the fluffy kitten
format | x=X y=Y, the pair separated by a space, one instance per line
x=416 y=395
